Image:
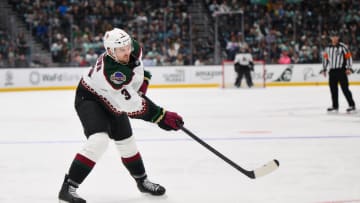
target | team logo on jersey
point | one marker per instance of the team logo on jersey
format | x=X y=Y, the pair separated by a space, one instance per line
x=118 y=78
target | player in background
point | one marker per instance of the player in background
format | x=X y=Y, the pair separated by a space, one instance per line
x=108 y=94
x=339 y=60
x=243 y=65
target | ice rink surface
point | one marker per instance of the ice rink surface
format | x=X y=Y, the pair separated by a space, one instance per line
x=319 y=153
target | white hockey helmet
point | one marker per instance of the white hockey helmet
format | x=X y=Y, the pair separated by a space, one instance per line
x=116 y=38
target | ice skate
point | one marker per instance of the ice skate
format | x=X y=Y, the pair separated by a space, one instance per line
x=351 y=109
x=332 y=110
x=68 y=194
x=147 y=186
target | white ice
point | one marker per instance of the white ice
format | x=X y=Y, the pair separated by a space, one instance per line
x=319 y=153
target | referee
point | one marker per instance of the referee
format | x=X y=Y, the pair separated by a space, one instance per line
x=338 y=58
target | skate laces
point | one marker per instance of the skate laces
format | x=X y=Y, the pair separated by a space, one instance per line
x=150 y=186
x=72 y=191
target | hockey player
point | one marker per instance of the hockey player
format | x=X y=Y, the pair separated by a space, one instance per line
x=112 y=91
x=244 y=64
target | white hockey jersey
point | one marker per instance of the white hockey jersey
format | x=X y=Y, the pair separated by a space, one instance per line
x=243 y=59
x=117 y=85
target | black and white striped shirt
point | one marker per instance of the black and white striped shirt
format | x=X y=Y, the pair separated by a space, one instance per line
x=336 y=57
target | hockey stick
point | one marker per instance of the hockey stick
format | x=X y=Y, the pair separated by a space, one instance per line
x=259 y=172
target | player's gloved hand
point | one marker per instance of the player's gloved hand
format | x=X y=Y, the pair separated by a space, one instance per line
x=171 y=121
x=145 y=84
x=143 y=87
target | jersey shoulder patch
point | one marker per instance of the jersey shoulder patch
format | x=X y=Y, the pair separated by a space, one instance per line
x=117 y=74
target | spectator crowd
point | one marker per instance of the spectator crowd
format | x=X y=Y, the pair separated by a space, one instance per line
x=13 y=53
x=73 y=29
x=277 y=31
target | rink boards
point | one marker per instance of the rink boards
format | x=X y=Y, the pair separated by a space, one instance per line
x=23 y=79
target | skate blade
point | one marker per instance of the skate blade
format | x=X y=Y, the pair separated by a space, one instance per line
x=352 y=112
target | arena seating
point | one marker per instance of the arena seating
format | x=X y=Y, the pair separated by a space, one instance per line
x=72 y=29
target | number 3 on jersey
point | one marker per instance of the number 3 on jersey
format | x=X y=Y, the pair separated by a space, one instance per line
x=126 y=94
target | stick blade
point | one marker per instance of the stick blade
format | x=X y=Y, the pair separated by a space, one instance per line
x=267 y=168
